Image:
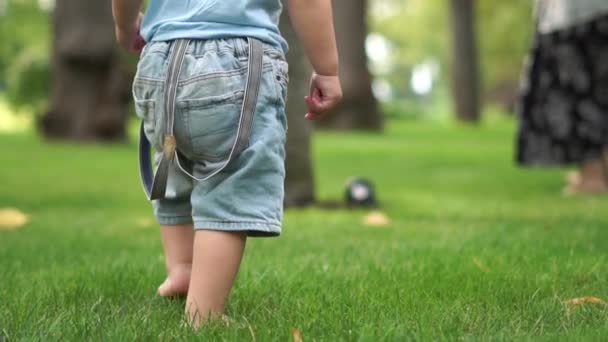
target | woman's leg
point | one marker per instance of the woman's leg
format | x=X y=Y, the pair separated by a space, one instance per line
x=592 y=177
x=605 y=165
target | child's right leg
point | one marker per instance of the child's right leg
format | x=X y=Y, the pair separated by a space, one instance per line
x=217 y=257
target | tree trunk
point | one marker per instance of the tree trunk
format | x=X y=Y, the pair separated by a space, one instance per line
x=90 y=86
x=465 y=61
x=359 y=108
x=299 y=182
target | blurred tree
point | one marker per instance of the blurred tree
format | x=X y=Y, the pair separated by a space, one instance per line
x=359 y=108
x=299 y=181
x=505 y=32
x=465 y=61
x=90 y=87
x=24 y=62
x=504 y=36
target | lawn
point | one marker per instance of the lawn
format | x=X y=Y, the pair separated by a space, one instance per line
x=477 y=249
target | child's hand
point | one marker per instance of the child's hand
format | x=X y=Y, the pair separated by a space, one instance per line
x=325 y=94
x=130 y=39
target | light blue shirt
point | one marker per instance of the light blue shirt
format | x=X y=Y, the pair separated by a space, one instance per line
x=213 y=19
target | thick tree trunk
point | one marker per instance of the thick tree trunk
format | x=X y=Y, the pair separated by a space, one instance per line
x=299 y=182
x=90 y=87
x=359 y=108
x=465 y=61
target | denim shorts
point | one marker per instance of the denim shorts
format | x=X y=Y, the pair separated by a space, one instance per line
x=248 y=194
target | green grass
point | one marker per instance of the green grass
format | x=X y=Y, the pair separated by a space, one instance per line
x=478 y=249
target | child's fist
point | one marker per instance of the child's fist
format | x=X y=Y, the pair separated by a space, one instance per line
x=325 y=94
x=130 y=39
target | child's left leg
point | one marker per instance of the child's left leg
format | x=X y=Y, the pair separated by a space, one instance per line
x=177 y=244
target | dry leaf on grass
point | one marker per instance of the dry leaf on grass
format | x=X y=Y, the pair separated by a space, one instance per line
x=11 y=219
x=145 y=222
x=377 y=219
x=585 y=300
x=297 y=335
x=482 y=267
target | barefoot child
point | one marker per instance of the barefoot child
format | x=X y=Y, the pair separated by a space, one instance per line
x=210 y=88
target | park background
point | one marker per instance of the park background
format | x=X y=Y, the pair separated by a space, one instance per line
x=464 y=244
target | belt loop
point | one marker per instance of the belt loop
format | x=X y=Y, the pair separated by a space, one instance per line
x=241 y=47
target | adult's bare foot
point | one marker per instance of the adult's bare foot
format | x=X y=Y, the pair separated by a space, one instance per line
x=591 y=178
x=573 y=177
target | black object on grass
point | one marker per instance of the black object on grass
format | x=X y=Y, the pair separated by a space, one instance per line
x=360 y=193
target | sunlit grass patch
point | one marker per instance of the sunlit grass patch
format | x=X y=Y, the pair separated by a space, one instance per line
x=12 y=121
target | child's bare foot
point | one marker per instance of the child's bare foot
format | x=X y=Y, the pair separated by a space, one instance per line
x=177 y=244
x=177 y=282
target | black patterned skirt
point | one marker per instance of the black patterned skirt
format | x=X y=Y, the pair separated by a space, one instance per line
x=563 y=108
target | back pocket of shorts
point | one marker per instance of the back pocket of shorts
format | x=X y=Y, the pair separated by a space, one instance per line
x=146 y=110
x=211 y=125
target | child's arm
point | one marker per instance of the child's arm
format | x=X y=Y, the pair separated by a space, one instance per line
x=313 y=22
x=127 y=20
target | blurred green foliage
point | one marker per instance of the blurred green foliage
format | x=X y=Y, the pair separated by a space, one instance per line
x=25 y=53
x=419 y=31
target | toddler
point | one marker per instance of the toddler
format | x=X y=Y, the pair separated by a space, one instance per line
x=210 y=87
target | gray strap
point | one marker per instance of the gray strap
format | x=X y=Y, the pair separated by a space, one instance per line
x=155 y=186
x=175 y=69
x=145 y=164
x=252 y=90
